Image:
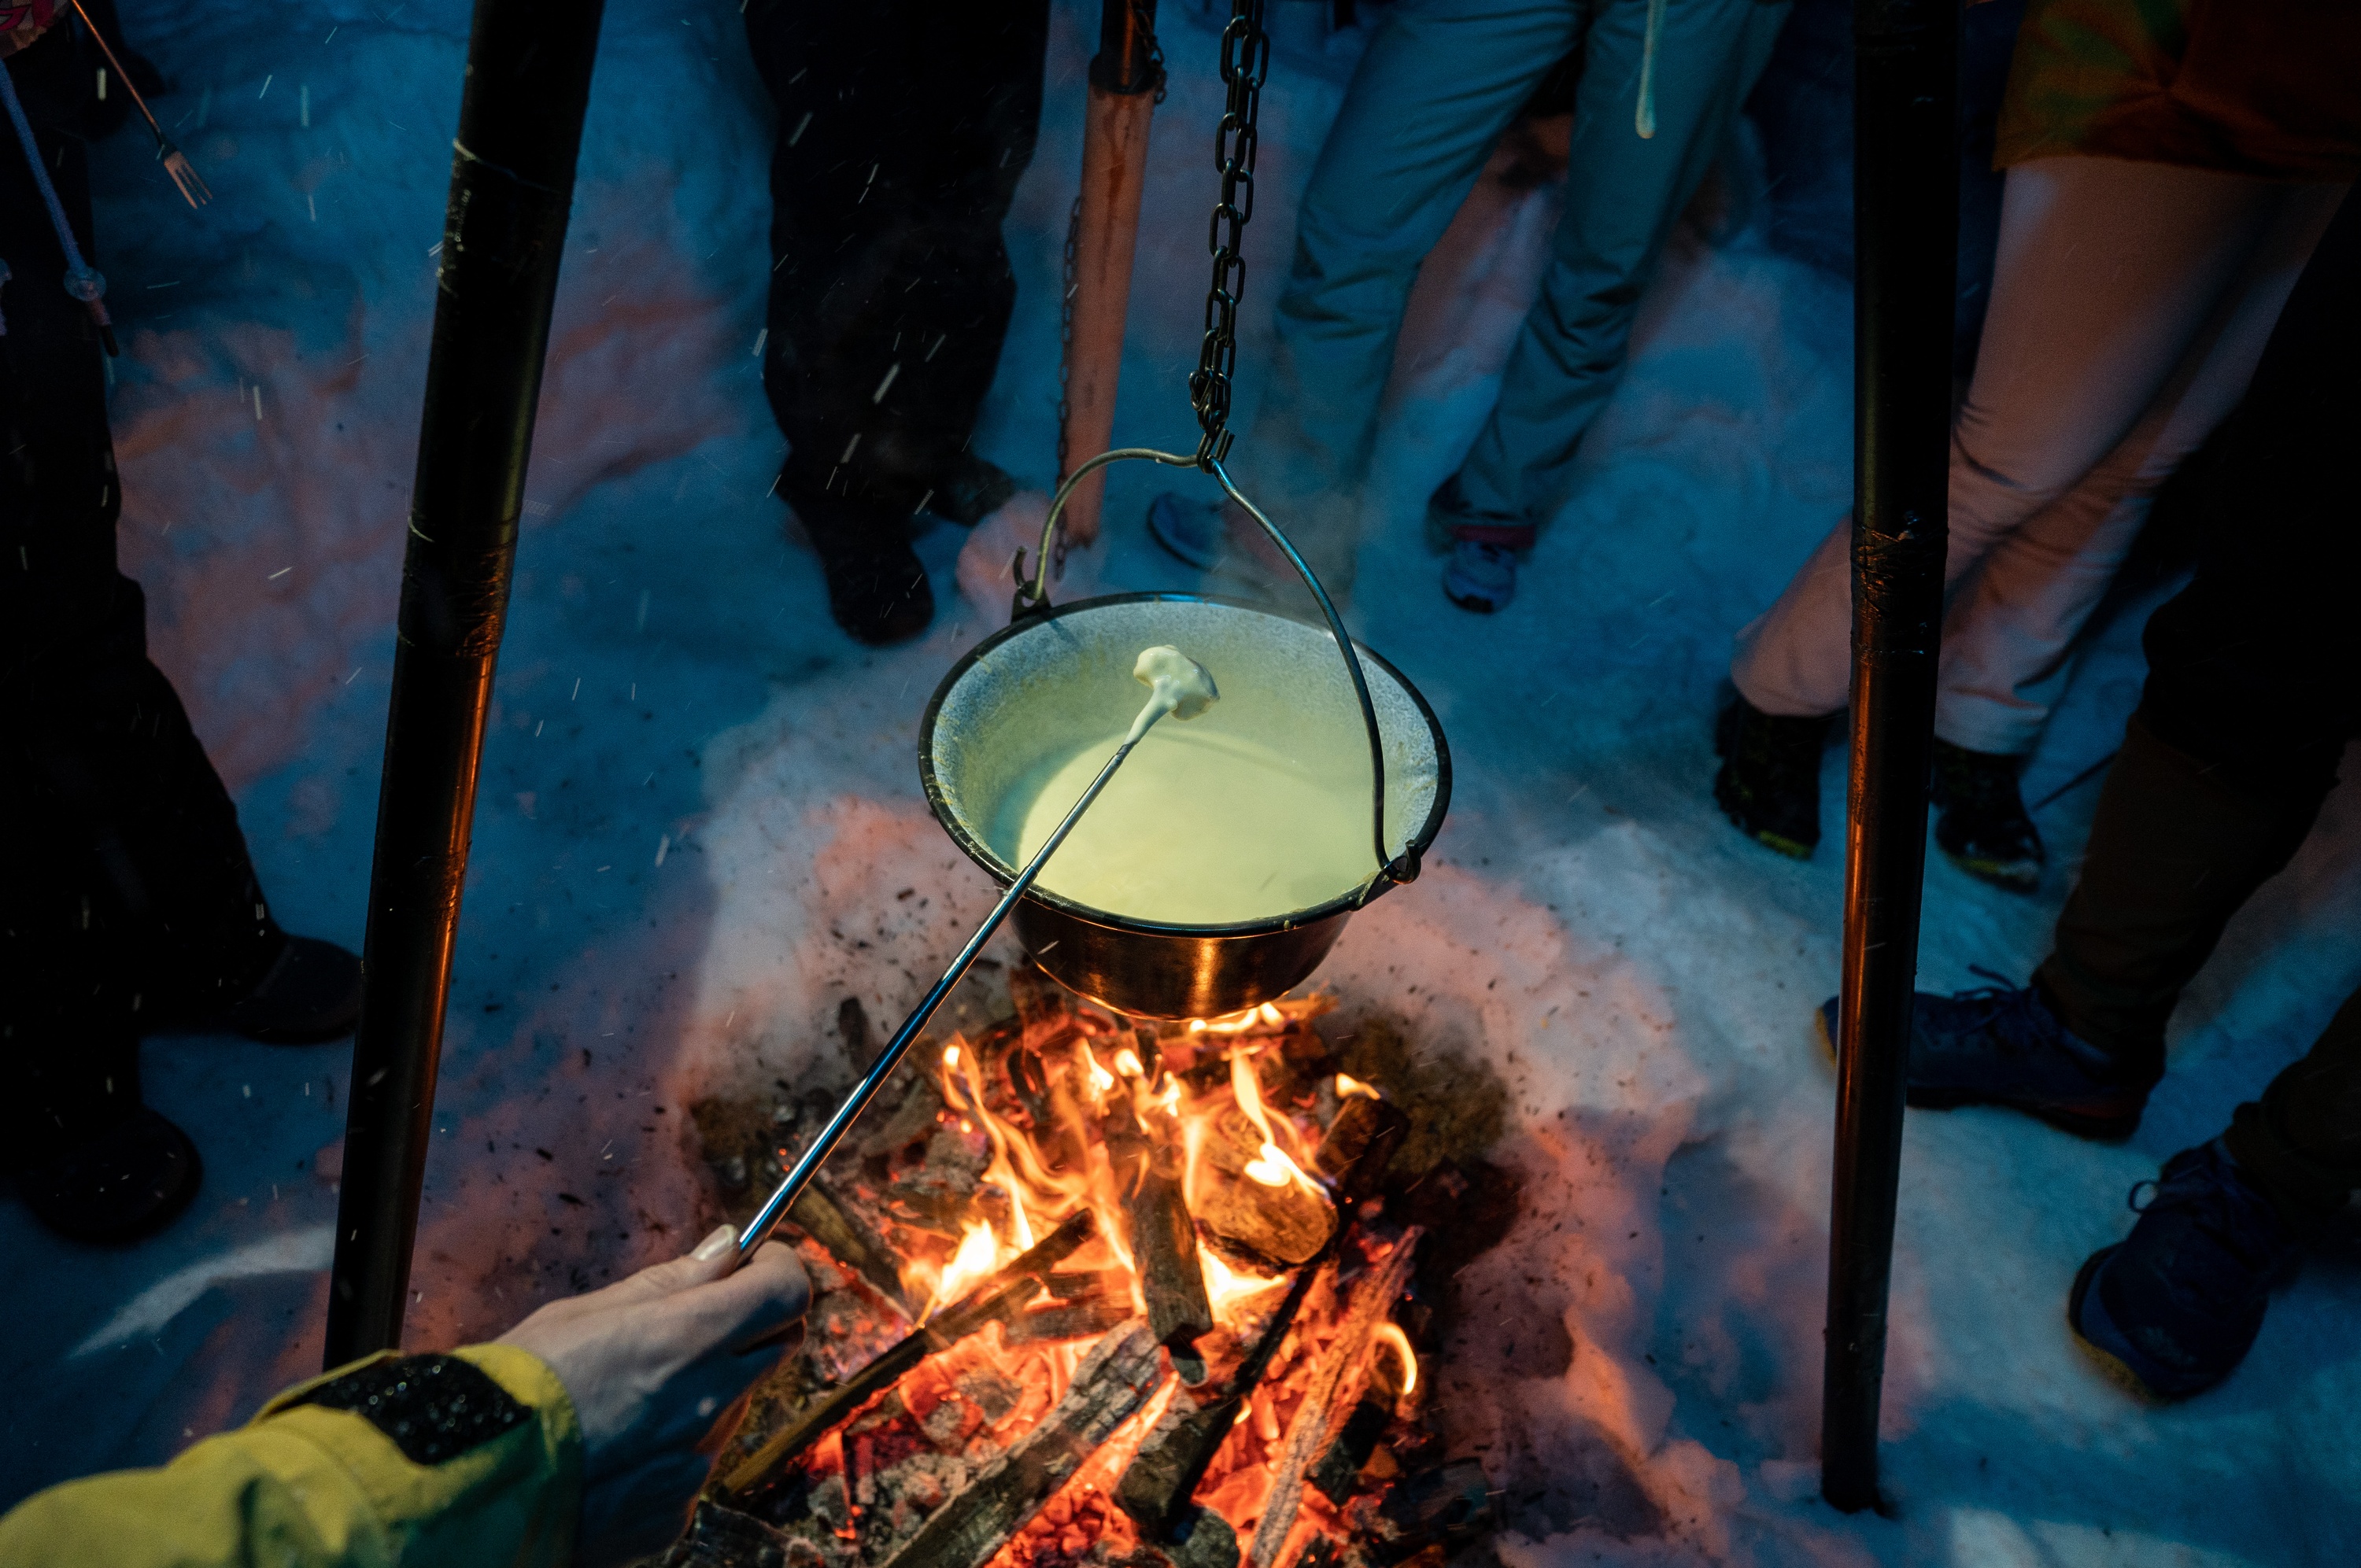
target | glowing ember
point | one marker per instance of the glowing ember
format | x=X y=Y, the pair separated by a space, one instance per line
x=1391 y=1337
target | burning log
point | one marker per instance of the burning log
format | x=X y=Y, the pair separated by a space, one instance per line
x=828 y=1221
x=724 y=1538
x=1163 y=1475
x=1008 y=1293
x=1086 y=1318
x=1337 y=1380
x=1164 y=1248
x=1109 y=1386
x=1360 y=1145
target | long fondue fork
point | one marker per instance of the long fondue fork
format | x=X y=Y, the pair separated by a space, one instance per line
x=1182 y=687
x=176 y=162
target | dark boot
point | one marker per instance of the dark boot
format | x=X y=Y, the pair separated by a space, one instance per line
x=1980 y=817
x=1770 y=779
x=127 y=1181
x=970 y=490
x=308 y=995
x=2001 y=1046
x=876 y=588
x=2172 y=1308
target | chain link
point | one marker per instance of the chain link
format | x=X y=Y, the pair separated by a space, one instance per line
x=1246 y=62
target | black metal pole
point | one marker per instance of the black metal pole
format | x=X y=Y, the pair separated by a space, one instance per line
x=503 y=235
x=1905 y=241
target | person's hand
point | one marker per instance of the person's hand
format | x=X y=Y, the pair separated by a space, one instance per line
x=658 y=1366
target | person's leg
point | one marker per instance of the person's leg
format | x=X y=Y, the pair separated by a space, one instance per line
x=1623 y=194
x=2107 y=270
x=2007 y=637
x=1438 y=83
x=891 y=287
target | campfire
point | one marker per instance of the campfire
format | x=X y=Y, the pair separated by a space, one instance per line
x=1097 y=1290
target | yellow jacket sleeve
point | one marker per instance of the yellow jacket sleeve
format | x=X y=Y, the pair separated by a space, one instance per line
x=304 y=1486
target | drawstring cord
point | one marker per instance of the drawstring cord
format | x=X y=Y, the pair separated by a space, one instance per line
x=81 y=281
x=1644 y=122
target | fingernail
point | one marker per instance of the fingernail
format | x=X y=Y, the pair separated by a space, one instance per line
x=714 y=1245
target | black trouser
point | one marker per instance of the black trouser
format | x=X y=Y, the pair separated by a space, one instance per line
x=2254 y=689
x=127 y=899
x=903 y=129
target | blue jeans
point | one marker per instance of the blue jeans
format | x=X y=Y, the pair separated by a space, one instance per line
x=1442 y=79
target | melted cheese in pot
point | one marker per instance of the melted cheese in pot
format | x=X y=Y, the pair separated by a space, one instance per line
x=1196 y=828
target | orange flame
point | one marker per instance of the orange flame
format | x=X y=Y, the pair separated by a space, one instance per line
x=1391 y=1336
x=1272 y=1166
x=978 y=1259
x=1347 y=1086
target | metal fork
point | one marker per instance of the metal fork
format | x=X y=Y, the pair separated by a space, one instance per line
x=176 y=163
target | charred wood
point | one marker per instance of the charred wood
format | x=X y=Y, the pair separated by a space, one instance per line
x=1337 y=1381
x=1164 y=1248
x=724 y=1538
x=1338 y=1475
x=822 y=1216
x=1006 y=1294
x=1172 y=1458
x=1108 y=1388
x=1086 y=1318
x=1447 y=1507
x=1359 y=1145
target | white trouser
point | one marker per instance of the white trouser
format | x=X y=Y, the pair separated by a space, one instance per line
x=2130 y=302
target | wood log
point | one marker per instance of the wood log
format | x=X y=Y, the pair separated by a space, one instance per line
x=1334 y=1386
x=1359 y=1145
x=1114 y=170
x=828 y=1220
x=1086 y=1318
x=1006 y=1294
x=1171 y=1278
x=1109 y=1386
x=1163 y=1475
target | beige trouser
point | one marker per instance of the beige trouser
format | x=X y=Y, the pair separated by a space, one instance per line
x=2130 y=302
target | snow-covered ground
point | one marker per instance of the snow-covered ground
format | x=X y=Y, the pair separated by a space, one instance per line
x=699 y=803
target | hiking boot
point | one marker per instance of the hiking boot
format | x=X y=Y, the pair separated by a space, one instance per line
x=310 y=994
x=1195 y=532
x=970 y=490
x=116 y=1185
x=876 y=588
x=1980 y=817
x=2172 y=1308
x=1480 y=577
x=1770 y=779
x=2000 y=1046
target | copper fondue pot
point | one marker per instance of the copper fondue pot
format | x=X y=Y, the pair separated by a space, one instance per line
x=1057 y=679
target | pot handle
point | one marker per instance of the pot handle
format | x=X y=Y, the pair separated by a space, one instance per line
x=1033 y=599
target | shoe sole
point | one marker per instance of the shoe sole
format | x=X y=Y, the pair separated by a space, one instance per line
x=1473 y=605
x=2110 y=1365
x=2097 y=1129
x=2011 y=876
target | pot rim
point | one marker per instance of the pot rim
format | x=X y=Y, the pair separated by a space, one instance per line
x=1003 y=873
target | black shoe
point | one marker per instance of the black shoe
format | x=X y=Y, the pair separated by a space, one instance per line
x=311 y=993
x=1980 y=817
x=2000 y=1046
x=1770 y=779
x=121 y=1184
x=971 y=489
x=2173 y=1308
x=876 y=589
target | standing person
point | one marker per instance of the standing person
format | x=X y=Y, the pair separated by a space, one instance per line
x=128 y=901
x=1654 y=90
x=902 y=130
x=2169 y=171
x=2253 y=691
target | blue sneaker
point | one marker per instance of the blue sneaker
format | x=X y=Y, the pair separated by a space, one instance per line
x=1999 y=1045
x=2172 y=1308
x=1193 y=531
x=1480 y=577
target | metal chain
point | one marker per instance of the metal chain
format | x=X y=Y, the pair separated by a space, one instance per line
x=1067 y=286
x=1246 y=62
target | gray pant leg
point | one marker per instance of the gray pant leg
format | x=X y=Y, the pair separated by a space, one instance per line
x=1623 y=194
x=1439 y=84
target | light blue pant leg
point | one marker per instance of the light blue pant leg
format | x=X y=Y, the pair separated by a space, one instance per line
x=1623 y=195
x=1439 y=81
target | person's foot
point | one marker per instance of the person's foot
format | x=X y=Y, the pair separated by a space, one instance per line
x=876 y=588
x=1996 y=1046
x=970 y=490
x=1768 y=784
x=1479 y=577
x=310 y=994
x=122 y=1183
x=1195 y=532
x=1980 y=817
x=2172 y=1308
